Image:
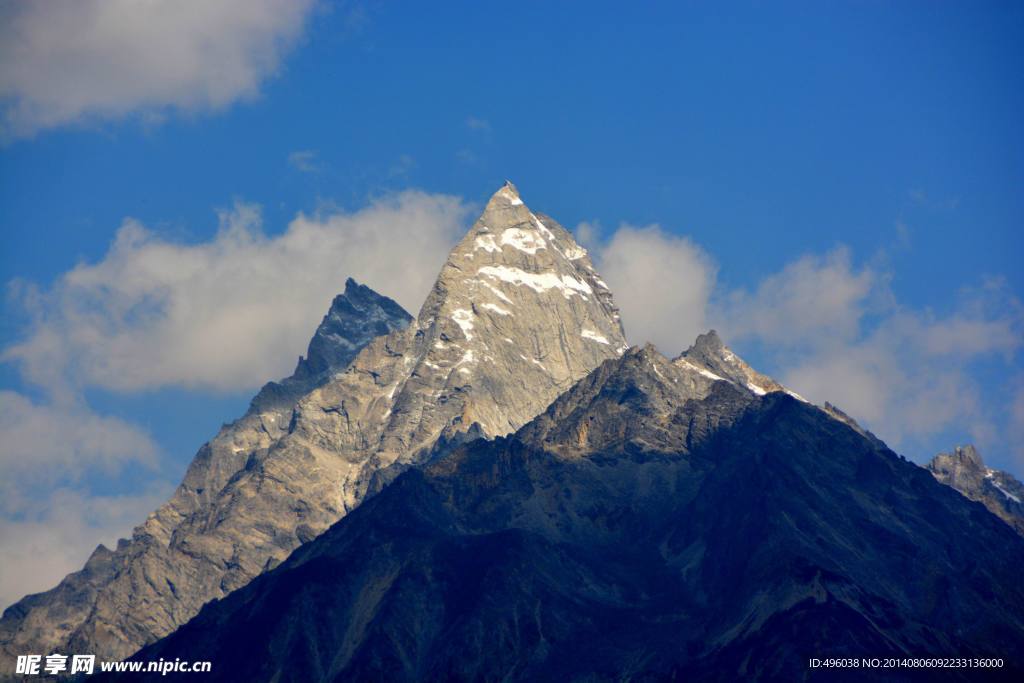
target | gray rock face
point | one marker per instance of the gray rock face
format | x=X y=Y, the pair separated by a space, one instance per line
x=83 y=608
x=653 y=524
x=999 y=491
x=516 y=316
x=718 y=361
x=714 y=356
x=355 y=318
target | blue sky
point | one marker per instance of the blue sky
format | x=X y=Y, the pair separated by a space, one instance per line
x=783 y=150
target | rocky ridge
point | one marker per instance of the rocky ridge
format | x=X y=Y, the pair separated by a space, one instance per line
x=1000 y=492
x=61 y=616
x=654 y=523
x=517 y=315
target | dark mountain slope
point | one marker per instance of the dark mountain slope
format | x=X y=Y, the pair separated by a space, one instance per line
x=652 y=525
x=516 y=316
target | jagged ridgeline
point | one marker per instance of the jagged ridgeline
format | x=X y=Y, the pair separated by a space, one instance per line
x=516 y=317
x=624 y=517
x=659 y=521
x=999 y=491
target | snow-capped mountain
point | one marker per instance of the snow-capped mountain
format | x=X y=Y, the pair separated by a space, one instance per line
x=517 y=315
x=654 y=523
x=501 y=489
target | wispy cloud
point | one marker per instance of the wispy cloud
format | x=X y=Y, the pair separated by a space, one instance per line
x=73 y=61
x=46 y=442
x=305 y=160
x=402 y=167
x=662 y=282
x=229 y=313
x=225 y=314
x=840 y=334
x=478 y=124
x=54 y=535
x=834 y=331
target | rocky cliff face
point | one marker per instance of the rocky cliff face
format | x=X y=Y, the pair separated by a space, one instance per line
x=1000 y=492
x=654 y=523
x=79 y=609
x=516 y=317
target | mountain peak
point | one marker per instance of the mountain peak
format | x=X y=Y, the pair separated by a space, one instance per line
x=965 y=470
x=710 y=353
x=516 y=316
x=518 y=305
x=709 y=341
x=601 y=411
x=354 y=318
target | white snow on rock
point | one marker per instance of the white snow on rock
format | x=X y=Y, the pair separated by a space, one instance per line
x=756 y=389
x=797 y=396
x=539 y=282
x=485 y=242
x=594 y=336
x=496 y=308
x=464 y=319
x=1006 y=493
x=497 y=292
x=543 y=228
x=575 y=253
x=706 y=373
x=523 y=240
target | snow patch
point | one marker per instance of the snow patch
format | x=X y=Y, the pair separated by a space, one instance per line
x=756 y=389
x=656 y=370
x=706 y=373
x=593 y=336
x=1006 y=493
x=576 y=252
x=496 y=308
x=515 y=201
x=485 y=242
x=497 y=292
x=464 y=319
x=539 y=282
x=522 y=240
x=797 y=396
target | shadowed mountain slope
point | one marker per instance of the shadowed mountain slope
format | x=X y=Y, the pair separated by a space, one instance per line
x=516 y=316
x=653 y=524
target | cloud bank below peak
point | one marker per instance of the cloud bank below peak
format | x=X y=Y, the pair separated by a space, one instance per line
x=81 y=61
x=229 y=313
x=834 y=331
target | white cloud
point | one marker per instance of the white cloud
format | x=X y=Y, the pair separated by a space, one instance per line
x=1015 y=433
x=304 y=160
x=228 y=313
x=68 y=61
x=47 y=443
x=839 y=335
x=661 y=283
x=49 y=519
x=814 y=297
x=55 y=536
x=832 y=330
